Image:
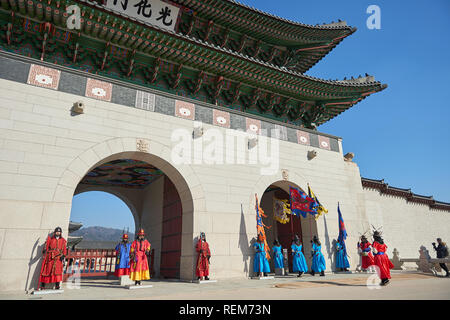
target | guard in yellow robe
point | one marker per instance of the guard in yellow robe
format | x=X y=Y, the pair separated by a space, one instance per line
x=140 y=250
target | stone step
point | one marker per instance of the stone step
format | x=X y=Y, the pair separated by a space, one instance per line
x=145 y=286
x=41 y=292
x=205 y=281
x=263 y=278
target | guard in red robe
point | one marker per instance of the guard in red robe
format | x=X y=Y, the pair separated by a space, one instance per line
x=54 y=253
x=366 y=254
x=139 y=251
x=204 y=255
x=381 y=258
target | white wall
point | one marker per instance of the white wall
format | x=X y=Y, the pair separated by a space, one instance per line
x=45 y=152
x=406 y=225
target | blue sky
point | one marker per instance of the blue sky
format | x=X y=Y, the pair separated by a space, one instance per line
x=401 y=134
x=96 y=208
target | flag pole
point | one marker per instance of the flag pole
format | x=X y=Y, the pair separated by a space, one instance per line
x=292 y=226
x=309 y=218
x=292 y=215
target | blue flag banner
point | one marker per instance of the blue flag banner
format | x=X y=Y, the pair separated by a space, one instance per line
x=342 y=231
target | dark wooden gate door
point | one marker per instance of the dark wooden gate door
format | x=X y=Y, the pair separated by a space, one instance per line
x=286 y=234
x=171 y=231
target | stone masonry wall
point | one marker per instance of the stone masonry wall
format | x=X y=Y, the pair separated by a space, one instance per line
x=46 y=149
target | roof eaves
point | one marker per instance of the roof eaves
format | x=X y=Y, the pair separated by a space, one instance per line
x=240 y=55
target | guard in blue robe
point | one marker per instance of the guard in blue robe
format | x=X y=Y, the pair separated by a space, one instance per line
x=260 y=264
x=318 y=260
x=342 y=263
x=298 y=259
x=123 y=257
x=278 y=255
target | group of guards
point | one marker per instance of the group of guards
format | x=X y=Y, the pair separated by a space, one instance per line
x=132 y=261
x=379 y=257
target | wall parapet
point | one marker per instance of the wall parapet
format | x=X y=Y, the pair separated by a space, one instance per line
x=407 y=194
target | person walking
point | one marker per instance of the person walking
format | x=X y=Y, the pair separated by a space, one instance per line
x=442 y=252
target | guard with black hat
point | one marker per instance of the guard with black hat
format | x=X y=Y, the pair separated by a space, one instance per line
x=54 y=253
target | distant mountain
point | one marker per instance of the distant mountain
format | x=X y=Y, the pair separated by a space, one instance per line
x=101 y=234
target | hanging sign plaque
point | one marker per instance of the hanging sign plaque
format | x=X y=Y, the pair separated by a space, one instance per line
x=155 y=12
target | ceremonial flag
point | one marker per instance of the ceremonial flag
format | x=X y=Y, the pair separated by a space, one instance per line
x=300 y=202
x=260 y=226
x=342 y=231
x=319 y=208
x=281 y=210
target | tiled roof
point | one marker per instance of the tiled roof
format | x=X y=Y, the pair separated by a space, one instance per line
x=359 y=82
x=404 y=193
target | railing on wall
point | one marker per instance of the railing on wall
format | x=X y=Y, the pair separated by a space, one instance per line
x=95 y=263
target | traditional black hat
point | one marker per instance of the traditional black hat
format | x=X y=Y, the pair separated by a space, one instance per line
x=377 y=231
x=58 y=229
x=316 y=240
x=377 y=237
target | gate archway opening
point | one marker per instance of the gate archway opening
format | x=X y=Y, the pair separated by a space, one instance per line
x=305 y=228
x=153 y=199
x=102 y=216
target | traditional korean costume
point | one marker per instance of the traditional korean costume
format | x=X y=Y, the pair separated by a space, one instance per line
x=318 y=260
x=260 y=263
x=278 y=257
x=382 y=261
x=366 y=255
x=204 y=254
x=298 y=259
x=54 y=254
x=123 y=257
x=341 y=257
x=139 y=251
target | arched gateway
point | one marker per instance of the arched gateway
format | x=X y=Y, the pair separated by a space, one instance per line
x=155 y=191
x=153 y=201
x=304 y=227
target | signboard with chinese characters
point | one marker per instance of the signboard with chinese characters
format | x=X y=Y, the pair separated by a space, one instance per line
x=154 y=12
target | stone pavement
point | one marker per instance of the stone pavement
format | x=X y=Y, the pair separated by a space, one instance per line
x=403 y=286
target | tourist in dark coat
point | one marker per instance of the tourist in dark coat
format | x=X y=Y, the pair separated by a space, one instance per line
x=442 y=252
